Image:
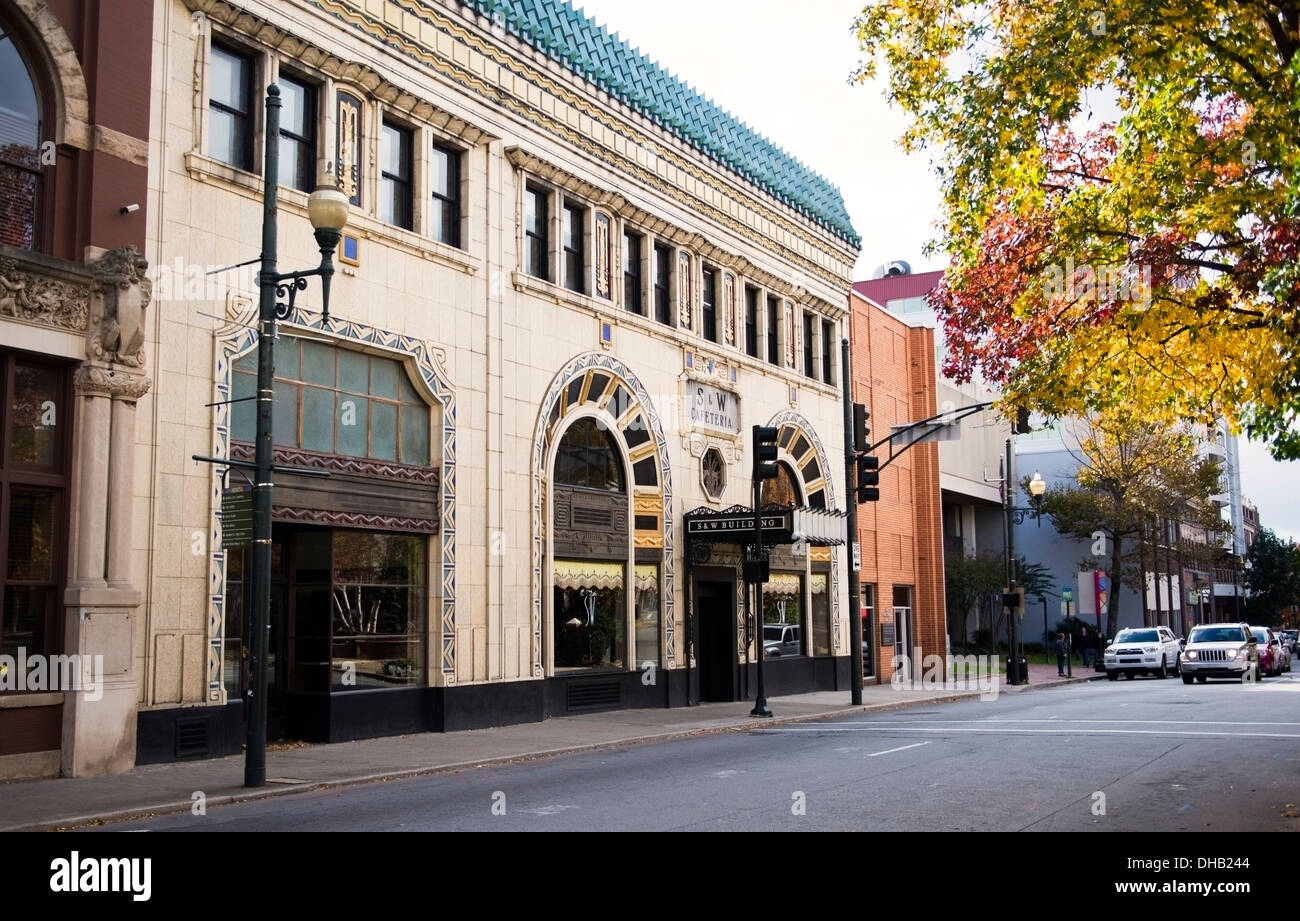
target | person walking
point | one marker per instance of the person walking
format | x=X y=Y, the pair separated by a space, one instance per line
x=1085 y=643
x=1061 y=652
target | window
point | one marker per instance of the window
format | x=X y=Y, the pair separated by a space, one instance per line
x=444 y=216
x=20 y=152
x=773 y=327
x=336 y=401
x=632 y=272
x=751 y=321
x=590 y=623
x=33 y=462
x=709 y=304
x=297 y=134
x=574 y=262
x=783 y=615
x=647 y=614
x=828 y=337
x=868 y=600
x=781 y=489
x=588 y=458
x=395 y=187
x=663 y=284
x=536 y=233
x=821 y=614
x=230 y=108
x=808 y=326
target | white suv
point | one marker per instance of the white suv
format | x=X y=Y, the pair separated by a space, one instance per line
x=1142 y=650
x=1220 y=651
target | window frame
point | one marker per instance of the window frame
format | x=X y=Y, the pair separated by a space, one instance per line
x=455 y=159
x=709 y=303
x=809 y=327
x=250 y=58
x=387 y=181
x=773 y=330
x=633 y=290
x=751 y=321
x=663 y=284
x=312 y=97
x=828 y=365
x=574 y=276
x=537 y=264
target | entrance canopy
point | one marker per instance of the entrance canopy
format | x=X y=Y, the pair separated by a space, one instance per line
x=781 y=525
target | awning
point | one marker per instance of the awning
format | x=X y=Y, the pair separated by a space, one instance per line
x=647 y=577
x=588 y=574
x=817 y=527
x=782 y=583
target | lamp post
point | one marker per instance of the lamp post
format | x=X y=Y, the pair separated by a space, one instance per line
x=327 y=209
x=1037 y=486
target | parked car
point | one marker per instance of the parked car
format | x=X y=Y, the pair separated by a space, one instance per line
x=1288 y=638
x=781 y=640
x=1270 y=651
x=1142 y=651
x=1287 y=654
x=1220 y=651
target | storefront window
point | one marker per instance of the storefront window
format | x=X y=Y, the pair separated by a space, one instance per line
x=379 y=610
x=783 y=621
x=821 y=614
x=590 y=615
x=647 y=615
x=868 y=627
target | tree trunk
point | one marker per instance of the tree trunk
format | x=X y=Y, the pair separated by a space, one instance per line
x=1112 y=599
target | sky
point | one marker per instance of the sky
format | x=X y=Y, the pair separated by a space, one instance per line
x=784 y=68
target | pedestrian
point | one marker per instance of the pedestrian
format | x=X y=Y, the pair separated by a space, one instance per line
x=1061 y=651
x=1085 y=643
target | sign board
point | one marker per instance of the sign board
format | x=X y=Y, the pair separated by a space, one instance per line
x=900 y=436
x=887 y=634
x=712 y=408
x=1014 y=602
x=737 y=525
x=237 y=517
x=1067 y=594
x=857 y=556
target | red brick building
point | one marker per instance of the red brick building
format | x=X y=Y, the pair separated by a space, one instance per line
x=902 y=534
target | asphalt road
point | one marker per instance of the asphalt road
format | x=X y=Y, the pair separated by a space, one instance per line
x=1139 y=755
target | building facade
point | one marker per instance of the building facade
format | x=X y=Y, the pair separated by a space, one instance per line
x=569 y=286
x=901 y=536
x=74 y=303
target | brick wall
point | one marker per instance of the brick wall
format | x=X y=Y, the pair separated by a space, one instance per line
x=902 y=534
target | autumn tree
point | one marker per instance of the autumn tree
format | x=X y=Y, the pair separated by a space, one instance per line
x=1121 y=186
x=1130 y=471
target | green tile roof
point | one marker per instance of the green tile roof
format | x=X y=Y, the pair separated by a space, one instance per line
x=576 y=41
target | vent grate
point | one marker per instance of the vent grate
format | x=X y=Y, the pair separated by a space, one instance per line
x=191 y=738
x=593 y=517
x=593 y=695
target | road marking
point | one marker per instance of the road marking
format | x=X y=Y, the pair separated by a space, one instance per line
x=725 y=773
x=1062 y=731
x=900 y=749
x=1152 y=722
x=547 y=810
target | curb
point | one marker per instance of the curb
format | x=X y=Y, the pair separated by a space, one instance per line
x=69 y=823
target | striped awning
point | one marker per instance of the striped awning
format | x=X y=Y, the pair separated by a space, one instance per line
x=783 y=583
x=588 y=574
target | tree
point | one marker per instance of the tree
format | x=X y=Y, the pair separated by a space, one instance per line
x=1272 y=578
x=1149 y=261
x=969 y=582
x=1130 y=471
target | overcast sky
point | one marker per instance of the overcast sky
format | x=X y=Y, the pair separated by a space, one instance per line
x=783 y=67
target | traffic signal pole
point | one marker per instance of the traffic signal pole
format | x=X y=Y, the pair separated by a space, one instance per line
x=851 y=492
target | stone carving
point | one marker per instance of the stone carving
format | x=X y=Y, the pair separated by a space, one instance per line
x=790 y=335
x=685 y=305
x=123 y=291
x=30 y=295
x=729 y=306
x=603 y=261
x=91 y=379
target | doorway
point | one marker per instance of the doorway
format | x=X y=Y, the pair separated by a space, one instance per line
x=715 y=615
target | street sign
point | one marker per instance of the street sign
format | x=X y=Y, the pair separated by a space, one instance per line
x=857 y=556
x=237 y=517
x=1067 y=594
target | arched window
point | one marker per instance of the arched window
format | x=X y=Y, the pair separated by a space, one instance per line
x=20 y=149
x=589 y=458
x=780 y=489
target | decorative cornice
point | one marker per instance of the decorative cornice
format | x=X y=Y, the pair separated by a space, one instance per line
x=32 y=292
x=354 y=520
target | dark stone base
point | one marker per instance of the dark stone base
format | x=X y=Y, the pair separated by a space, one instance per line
x=212 y=732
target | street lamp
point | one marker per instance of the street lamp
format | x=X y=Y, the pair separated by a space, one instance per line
x=327 y=209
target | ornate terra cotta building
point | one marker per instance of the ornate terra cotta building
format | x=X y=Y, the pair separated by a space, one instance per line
x=74 y=366
x=569 y=286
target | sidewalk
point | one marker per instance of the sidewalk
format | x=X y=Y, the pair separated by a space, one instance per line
x=160 y=788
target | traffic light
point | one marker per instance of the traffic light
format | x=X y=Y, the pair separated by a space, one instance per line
x=764 y=452
x=868 y=478
x=861 y=433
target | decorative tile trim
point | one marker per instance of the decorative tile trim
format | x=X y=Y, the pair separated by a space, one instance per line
x=556 y=393
x=239 y=337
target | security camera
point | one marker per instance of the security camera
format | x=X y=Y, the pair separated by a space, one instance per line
x=129 y=209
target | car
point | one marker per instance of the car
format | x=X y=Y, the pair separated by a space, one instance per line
x=1286 y=654
x=1142 y=651
x=1288 y=638
x=1220 y=651
x=1270 y=651
x=781 y=640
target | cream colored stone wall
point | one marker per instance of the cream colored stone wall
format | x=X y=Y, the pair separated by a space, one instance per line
x=502 y=337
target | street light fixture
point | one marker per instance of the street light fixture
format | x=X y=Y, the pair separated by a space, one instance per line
x=327 y=209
